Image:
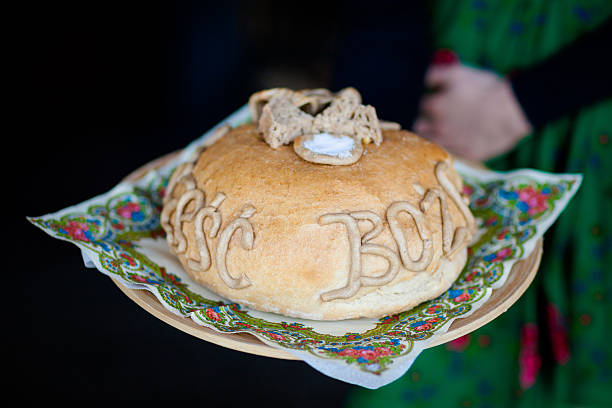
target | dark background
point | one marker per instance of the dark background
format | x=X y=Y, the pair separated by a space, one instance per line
x=108 y=87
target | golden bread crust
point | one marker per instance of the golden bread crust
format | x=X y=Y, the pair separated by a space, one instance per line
x=294 y=258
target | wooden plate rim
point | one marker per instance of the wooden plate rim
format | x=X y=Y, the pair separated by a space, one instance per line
x=521 y=276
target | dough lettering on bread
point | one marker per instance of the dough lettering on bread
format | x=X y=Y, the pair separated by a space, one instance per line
x=258 y=223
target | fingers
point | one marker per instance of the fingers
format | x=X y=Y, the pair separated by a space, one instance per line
x=422 y=127
x=437 y=131
x=433 y=120
x=432 y=106
x=431 y=130
x=429 y=115
x=440 y=76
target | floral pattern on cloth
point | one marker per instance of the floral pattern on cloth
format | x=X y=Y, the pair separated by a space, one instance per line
x=507 y=211
x=513 y=210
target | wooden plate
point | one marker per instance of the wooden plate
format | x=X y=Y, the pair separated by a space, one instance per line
x=518 y=281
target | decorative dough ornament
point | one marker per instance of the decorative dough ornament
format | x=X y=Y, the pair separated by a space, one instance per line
x=324 y=148
x=279 y=232
x=284 y=116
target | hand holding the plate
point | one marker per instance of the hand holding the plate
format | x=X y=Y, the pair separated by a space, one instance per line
x=473 y=112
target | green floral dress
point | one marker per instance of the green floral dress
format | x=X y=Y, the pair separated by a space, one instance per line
x=553 y=347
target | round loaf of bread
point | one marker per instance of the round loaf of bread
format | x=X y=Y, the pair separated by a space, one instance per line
x=264 y=228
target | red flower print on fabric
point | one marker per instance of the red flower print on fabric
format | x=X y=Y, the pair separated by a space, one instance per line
x=276 y=336
x=558 y=334
x=529 y=359
x=77 y=230
x=212 y=315
x=535 y=200
x=460 y=343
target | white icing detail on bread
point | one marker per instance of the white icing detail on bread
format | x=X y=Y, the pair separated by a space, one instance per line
x=318 y=152
x=330 y=145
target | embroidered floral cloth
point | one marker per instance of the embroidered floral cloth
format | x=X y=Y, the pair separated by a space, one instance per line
x=119 y=234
